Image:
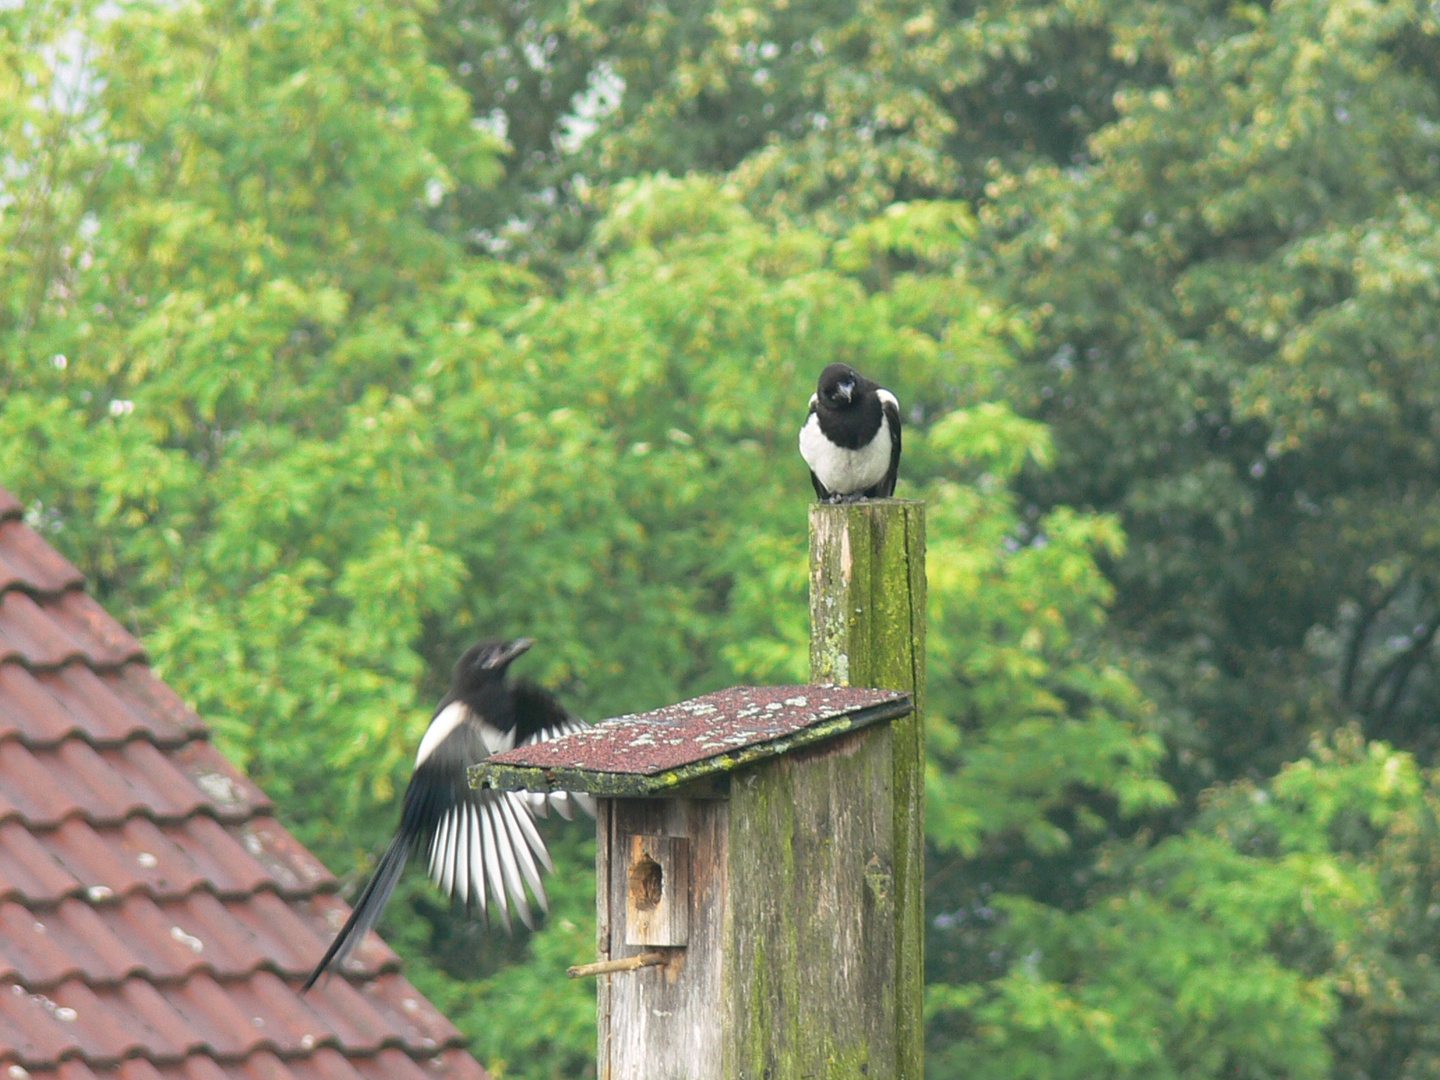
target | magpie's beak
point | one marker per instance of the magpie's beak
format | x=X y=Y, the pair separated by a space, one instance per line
x=846 y=390
x=506 y=653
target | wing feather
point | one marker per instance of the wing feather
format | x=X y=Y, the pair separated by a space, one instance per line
x=505 y=846
x=442 y=854
x=520 y=830
x=463 y=848
x=492 y=864
x=482 y=847
x=891 y=410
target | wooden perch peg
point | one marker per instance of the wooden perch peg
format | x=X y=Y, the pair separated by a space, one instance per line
x=610 y=967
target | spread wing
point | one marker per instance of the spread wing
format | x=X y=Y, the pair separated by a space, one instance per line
x=539 y=717
x=485 y=850
x=482 y=846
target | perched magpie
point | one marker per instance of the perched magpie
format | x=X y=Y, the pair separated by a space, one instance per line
x=851 y=439
x=482 y=845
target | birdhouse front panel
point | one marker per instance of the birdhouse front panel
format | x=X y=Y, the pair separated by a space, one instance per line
x=657 y=890
x=664 y=1020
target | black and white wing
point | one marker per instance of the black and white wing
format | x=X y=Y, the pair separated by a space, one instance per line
x=539 y=717
x=482 y=846
x=890 y=410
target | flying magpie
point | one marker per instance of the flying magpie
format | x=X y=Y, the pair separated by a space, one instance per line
x=851 y=439
x=482 y=846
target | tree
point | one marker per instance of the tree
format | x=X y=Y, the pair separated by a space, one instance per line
x=821 y=110
x=1263 y=942
x=1232 y=341
x=405 y=443
x=1232 y=346
x=267 y=383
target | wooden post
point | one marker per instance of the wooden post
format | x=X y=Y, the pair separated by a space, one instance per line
x=867 y=628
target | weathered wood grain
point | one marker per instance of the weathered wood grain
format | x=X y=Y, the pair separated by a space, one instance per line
x=810 y=983
x=867 y=628
x=663 y=1023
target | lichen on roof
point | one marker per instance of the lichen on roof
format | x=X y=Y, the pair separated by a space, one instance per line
x=666 y=749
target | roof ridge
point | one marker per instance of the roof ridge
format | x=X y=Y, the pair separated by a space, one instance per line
x=118 y=742
x=220 y=817
x=440 y=1061
x=108 y=786
x=105 y=709
x=111 y=864
x=56 y=630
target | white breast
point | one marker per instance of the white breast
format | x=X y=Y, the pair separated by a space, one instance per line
x=845 y=472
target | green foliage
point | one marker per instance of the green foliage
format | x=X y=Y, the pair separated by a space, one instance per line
x=826 y=110
x=279 y=373
x=1222 y=952
x=311 y=474
x=1026 y=712
x=1233 y=341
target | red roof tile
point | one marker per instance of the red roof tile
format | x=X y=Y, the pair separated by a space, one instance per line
x=27 y=562
x=103 y=709
x=70 y=629
x=325 y=1063
x=155 y=919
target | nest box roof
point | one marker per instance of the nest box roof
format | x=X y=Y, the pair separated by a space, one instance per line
x=657 y=752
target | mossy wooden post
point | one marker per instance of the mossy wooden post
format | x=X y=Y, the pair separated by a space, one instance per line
x=867 y=628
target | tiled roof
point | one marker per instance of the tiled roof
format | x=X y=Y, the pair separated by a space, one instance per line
x=156 y=921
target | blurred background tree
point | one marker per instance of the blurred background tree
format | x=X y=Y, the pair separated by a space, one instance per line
x=334 y=337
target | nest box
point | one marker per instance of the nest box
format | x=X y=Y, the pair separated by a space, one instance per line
x=748 y=925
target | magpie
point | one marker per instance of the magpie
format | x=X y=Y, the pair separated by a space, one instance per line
x=483 y=846
x=851 y=439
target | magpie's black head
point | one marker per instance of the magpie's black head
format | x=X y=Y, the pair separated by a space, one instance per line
x=840 y=386
x=486 y=662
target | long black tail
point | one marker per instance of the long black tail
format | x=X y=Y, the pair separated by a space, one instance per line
x=367 y=909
